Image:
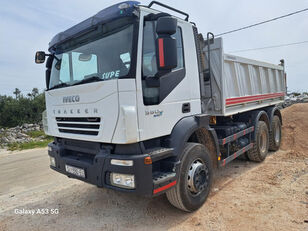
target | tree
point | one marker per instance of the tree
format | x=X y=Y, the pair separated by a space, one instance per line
x=20 y=110
x=17 y=93
x=35 y=92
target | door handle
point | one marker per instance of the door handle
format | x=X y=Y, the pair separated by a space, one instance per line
x=186 y=107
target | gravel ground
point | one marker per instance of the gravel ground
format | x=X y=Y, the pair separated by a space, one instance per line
x=272 y=195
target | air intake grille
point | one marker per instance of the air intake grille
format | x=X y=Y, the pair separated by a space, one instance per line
x=79 y=125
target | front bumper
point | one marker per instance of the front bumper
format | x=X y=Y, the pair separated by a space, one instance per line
x=98 y=168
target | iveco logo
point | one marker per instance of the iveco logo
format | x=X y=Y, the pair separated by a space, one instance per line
x=71 y=99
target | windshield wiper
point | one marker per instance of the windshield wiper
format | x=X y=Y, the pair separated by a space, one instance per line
x=59 y=86
x=89 y=80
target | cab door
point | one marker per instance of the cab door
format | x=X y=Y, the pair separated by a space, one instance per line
x=163 y=100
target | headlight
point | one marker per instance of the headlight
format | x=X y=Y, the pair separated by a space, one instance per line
x=52 y=161
x=49 y=148
x=122 y=180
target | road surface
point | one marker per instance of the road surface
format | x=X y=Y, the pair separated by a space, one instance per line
x=245 y=196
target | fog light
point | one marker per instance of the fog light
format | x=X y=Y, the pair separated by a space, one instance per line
x=122 y=162
x=52 y=161
x=122 y=180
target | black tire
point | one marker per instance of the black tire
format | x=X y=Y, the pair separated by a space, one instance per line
x=275 y=134
x=243 y=157
x=260 y=148
x=181 y=196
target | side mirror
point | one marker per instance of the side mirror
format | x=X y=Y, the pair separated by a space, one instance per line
x=166 y=44
x=166 y=26
x=40 y=57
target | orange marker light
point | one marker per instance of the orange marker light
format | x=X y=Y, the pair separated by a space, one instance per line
x=213 y=120
x=147 y=160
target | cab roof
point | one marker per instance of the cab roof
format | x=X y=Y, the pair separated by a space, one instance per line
x=120 y=10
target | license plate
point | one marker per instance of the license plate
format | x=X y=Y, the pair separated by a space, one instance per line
x=75 y=171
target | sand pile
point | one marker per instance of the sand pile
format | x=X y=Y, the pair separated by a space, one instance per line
x=295 y=130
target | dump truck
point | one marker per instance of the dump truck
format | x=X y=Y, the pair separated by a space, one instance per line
x=139 y=101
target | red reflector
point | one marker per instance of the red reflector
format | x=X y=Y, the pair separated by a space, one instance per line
x=164 y=187
x=161 y=52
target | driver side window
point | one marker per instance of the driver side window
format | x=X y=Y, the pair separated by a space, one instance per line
x=149 y=67
x=151 y=90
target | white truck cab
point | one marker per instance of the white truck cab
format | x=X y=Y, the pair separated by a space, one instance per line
x=135 y=104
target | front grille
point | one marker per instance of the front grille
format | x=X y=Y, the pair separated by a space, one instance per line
x=79 y=125
x=78 y=119
x=93 y=126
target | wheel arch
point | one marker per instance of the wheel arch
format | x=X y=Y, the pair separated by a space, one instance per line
x=271 y=112
x=194 y=129
x=255 y=117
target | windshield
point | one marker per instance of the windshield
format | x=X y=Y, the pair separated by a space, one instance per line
x=103 y=59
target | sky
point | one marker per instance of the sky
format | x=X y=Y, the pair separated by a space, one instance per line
x=28 y=26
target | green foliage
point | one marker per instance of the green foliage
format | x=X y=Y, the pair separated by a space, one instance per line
x=19 y=110
x=30 y=145
x=36 y=134
x=296 y=93
x=17 y=93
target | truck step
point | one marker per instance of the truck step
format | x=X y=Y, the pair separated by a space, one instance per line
x=161 y=177
x=162 y=181
x=160 y=153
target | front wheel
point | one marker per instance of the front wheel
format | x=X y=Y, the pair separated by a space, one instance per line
x=195 y=178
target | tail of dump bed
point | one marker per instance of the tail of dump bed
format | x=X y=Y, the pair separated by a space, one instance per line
x=240 y=84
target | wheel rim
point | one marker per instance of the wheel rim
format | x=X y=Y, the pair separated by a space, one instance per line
x=198 y=177
x=263 y=141
x=277 y=134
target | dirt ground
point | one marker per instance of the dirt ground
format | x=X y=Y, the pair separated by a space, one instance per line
x=272 y=195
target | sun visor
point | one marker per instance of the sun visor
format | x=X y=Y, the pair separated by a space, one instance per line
x=120 y=10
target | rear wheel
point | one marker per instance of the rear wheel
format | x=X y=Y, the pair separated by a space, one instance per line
x=195 y=178
x=275 y=134
x=260 y=148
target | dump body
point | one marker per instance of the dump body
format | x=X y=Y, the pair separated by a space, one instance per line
x=240 y=84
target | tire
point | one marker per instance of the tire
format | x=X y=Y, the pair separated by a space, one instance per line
x=260 y=148
x=243 y=157
x=275 y=134
x=182 y=196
